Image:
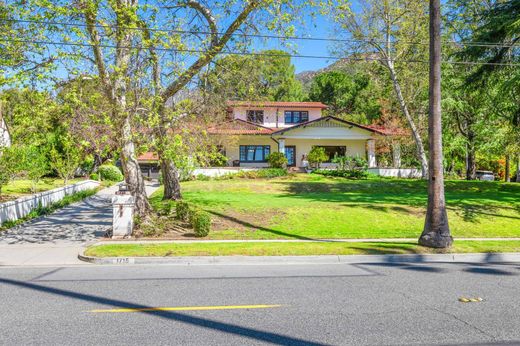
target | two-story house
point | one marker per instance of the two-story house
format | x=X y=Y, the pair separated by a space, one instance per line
x=258 y=128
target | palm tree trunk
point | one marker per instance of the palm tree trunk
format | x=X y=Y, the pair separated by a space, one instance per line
x=436 y=231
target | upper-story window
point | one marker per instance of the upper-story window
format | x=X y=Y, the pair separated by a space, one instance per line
x=296 y=117
x=255 y=116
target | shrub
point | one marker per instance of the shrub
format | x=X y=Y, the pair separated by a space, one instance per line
x=94 y=176
x=110 y=172
x=348 y=163
x=317 y=155
x=277 y=160
x=203 y=177
x=261 y=173
x=182 y=210
x=271 y=173
x=350 y=174
x=201 y=223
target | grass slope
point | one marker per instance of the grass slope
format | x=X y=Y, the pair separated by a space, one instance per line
x=21 y=187
x=311 y=207
x=291 y=248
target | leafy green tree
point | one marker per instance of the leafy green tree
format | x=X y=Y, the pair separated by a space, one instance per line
x=86 y=114
x=496 y=23
x=34 y=164
x=30 y=115
x=387 y=32
x=65 y=157
x=10 y=164
x=346 y=94
x=317 y=156
x=268 y=76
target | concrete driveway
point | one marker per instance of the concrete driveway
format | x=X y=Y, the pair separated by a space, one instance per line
x=57 y=238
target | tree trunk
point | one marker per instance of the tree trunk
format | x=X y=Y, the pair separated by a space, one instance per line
x=518 y=170
x=436 y=231
x=133 y=176
x=421 y=154
x=507 y=177
x=170 y=173
x=471 y=164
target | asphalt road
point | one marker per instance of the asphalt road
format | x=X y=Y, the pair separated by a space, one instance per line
x=336 y=304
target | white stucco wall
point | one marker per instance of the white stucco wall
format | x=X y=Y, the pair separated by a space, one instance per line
x=271 y=112
x=326 y=132
x=397 y=172
x=233 y=150
x=303 y=146
x=14 y=210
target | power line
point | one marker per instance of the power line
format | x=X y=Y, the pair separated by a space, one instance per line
x=300 y=38
x=78 y=44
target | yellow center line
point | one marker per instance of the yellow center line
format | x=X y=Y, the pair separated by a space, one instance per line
x=188 y=308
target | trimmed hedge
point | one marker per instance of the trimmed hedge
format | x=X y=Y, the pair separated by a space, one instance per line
x=201 y=222
x=110 y=172
x=182 y=210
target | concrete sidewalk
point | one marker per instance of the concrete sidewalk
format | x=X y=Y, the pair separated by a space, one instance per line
x=56 y=239
x=40 y=255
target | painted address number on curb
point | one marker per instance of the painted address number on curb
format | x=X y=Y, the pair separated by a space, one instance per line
x=124 y=260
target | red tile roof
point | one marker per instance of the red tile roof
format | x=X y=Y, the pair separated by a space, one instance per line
x=240 y=127
x=148 y=156
x=276 y=104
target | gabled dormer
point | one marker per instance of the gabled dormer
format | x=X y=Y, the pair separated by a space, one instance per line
x=275 y=114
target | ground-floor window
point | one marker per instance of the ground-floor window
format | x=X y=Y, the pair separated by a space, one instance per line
x=254 y=153
x=333 y=151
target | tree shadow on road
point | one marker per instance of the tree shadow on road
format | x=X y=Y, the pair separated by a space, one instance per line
x=255 y=334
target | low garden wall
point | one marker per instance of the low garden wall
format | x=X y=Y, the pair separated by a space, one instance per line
x=21 y=207
x=396 y=172
x=219 y=171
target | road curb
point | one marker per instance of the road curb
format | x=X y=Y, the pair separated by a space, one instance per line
x=295 y=260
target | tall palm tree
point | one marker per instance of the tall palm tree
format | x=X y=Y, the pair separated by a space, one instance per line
x=436 y=231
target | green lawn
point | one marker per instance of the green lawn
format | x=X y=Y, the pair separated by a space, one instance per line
x=311 y=207
x=21 y=187
x=291 y=248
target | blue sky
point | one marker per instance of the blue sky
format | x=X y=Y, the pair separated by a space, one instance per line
x=320 y=28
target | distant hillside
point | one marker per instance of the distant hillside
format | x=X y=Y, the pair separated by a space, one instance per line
x=344 y=65
x=306 y=77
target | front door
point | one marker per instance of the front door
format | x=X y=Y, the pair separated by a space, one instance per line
x=290 y=154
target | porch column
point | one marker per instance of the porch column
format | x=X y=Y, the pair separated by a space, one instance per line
x=371 y=153
x=281 y=145
x=396 y=154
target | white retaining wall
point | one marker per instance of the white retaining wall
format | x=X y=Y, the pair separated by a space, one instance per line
x=219 y=171
x=396 y=172
x=14 y=210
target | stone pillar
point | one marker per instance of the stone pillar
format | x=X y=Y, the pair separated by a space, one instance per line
x=123 y=216
x=396 y=154
x=371 y=153
x=281 y=145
